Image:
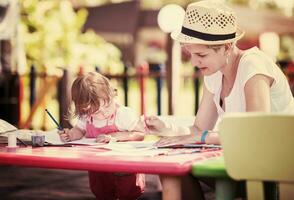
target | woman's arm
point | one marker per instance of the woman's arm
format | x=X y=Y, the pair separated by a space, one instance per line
x=206 y=116
x=205 y=120
x=257 y=93
x=128 y=136
x=120 y=137
x=257 y=96
x=133 y=128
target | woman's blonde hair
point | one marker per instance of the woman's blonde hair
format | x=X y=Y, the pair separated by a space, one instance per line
x=217 y=47
x=89 y=91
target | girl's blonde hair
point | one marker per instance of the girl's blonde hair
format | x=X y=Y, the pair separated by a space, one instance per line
x=89 y=91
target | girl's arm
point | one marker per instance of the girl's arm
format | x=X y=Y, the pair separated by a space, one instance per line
x=136 y=134
x=128 y=136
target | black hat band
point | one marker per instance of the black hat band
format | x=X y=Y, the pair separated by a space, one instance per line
x=207 y=36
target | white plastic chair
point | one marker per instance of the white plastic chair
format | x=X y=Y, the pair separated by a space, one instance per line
x=258 y=148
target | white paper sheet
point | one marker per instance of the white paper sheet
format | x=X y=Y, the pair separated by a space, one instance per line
x=53 y=138
x=6 y=127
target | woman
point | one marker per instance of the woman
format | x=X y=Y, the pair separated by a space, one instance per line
x=234 y=80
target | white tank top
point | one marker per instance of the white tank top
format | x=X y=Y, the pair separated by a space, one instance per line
x=252 y=62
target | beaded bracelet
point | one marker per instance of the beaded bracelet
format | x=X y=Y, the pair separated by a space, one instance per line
x=203 y=136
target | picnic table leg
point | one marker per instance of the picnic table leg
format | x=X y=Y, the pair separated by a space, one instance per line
x=171 y=187
x=225 y=189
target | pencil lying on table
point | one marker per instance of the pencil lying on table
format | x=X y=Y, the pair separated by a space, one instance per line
x=20 y=141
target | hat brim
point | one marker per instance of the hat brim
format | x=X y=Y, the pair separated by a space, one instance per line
x=182 y=38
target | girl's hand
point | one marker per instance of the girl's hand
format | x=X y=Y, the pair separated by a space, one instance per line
x=176 y=140
x=102 y=138
x=64 y=135
x=156 y=125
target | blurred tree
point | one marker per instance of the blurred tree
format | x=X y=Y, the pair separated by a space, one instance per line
x=52 y=36
x=287 y=48
x=241 y=2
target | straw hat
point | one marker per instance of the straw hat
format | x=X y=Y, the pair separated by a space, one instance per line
x=208 y=22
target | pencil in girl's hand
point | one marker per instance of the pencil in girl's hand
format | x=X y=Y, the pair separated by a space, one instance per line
x=55 y=122
x=145 y=123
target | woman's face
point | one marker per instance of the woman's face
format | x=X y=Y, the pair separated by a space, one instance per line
x=207 y=60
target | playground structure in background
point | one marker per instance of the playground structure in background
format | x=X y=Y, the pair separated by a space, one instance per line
x=12 y=91
x=41 y=86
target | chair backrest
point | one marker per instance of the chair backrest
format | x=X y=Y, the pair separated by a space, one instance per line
x=258 y=146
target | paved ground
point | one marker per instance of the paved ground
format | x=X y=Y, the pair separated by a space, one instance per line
x=23 y=183
x=19 y=183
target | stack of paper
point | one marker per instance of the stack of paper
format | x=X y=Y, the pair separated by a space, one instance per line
x=6 y=127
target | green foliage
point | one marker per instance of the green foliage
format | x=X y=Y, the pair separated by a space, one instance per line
x=287 y=48
x=52 y=33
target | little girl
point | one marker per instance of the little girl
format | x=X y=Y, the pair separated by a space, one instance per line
x=100 y=117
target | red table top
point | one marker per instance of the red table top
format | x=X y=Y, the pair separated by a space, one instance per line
x=87 y=158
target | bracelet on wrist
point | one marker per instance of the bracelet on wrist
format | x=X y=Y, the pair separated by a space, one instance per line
x=203 y=136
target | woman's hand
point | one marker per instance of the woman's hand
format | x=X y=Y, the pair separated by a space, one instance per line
x=64 y=135
x=176 y=140
x=103 y=138
x=156 y=125
x=159 y=127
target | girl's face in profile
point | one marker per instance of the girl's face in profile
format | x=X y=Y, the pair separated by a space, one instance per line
x=207 y=60
x=105 y=110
